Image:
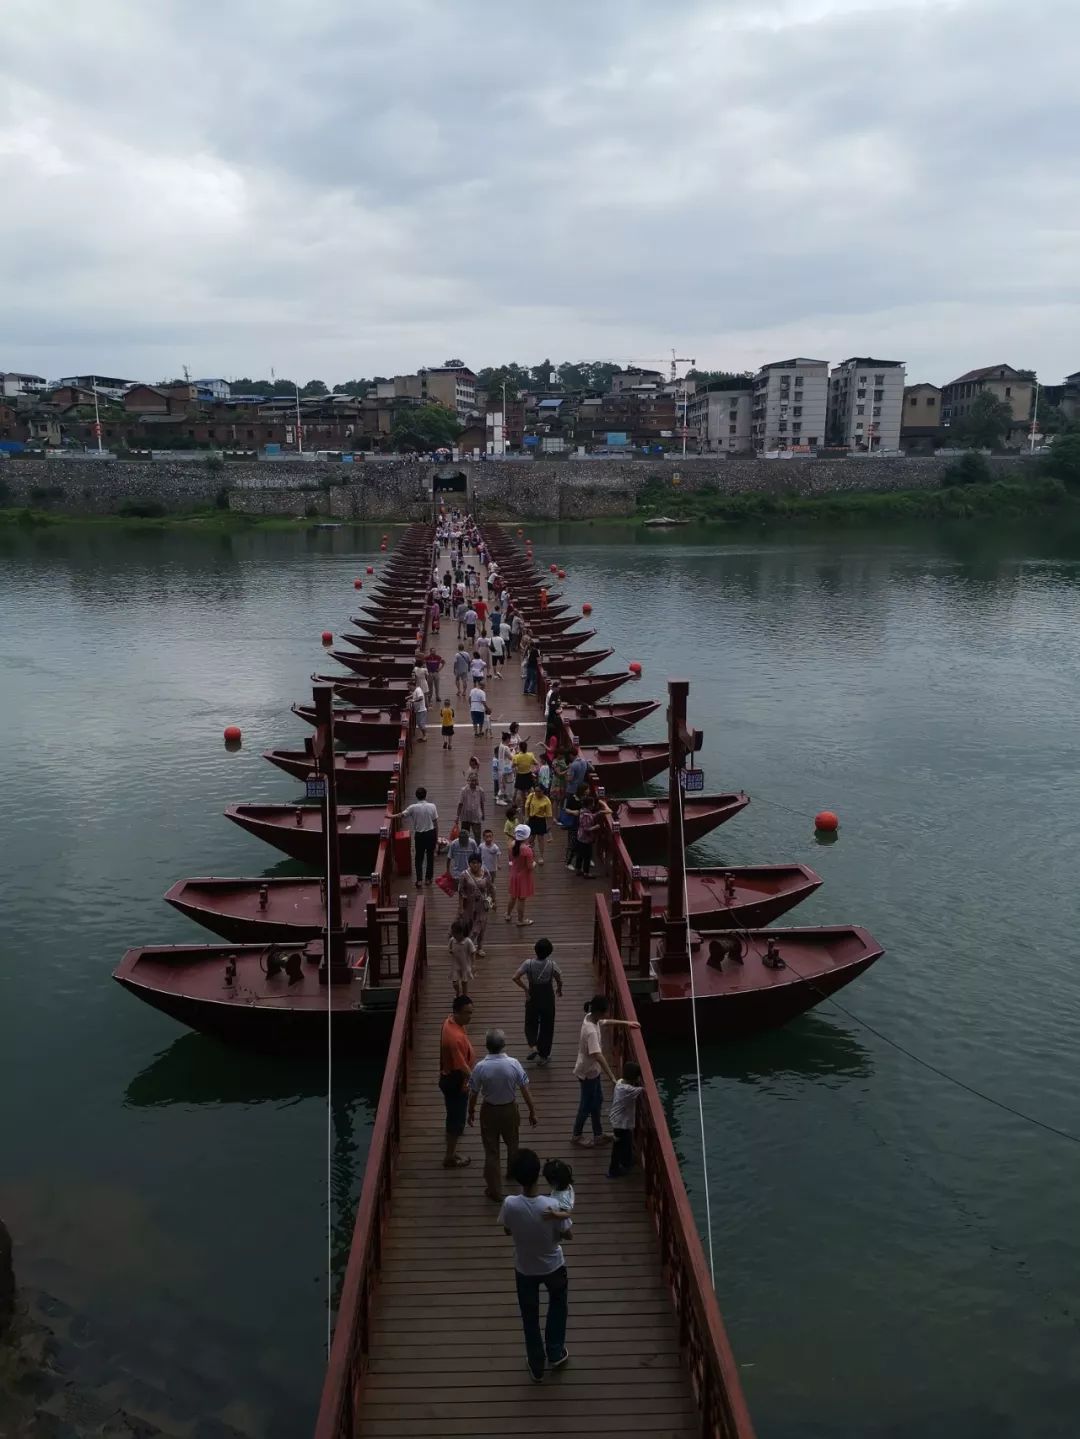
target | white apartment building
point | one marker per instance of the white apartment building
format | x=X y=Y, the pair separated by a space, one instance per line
x=720 y=419
x=866 y=404
x=789 y=405
x=14 y=385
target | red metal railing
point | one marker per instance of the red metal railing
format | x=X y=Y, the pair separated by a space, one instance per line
x=706 y=1350
x=352 y=1333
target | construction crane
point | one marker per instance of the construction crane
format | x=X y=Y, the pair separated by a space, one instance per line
x=675 y=361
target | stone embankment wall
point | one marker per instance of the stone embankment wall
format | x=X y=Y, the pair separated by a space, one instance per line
x=399 y=490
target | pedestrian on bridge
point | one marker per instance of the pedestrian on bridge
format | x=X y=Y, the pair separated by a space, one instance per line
x=498 y=1080
x=456 y=1060
x=541 y=979
x=534 y=1221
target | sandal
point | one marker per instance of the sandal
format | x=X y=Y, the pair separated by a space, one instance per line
x=458 y=1162
x=524 y=923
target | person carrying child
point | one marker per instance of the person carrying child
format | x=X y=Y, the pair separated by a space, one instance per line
x=623 y=1115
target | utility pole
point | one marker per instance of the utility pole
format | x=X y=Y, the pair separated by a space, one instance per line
x=299 y=431
x=682 y=741
x=504 y=421
x=97 y=413
x=1035 y=418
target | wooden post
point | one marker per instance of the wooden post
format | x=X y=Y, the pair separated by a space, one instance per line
x=675 y=951
x=335 y=967
x=645 y=936
x=402 y=931
x=374 y=946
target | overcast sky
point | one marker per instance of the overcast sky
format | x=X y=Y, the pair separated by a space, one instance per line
x=342 y=188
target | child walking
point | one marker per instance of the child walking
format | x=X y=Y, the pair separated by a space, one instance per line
x=446 y=719
x=462 y=949
x=623 y=1114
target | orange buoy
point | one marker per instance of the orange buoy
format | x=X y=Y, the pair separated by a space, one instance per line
x=358 y=584
x=371 y=569
x=520 y=533
x=385 y=538
x=383 y=545
x=634 y=667
x=327 y=637
x=554 y=569
x=562 y=574
x=232 y=734
x=826 y=821
x=586 y=609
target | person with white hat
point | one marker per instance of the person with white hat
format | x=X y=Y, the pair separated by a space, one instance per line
x=522 y=864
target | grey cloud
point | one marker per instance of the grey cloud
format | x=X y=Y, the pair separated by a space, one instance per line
x=341 y=189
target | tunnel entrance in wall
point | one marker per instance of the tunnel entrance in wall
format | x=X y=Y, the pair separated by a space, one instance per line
x=450 y=487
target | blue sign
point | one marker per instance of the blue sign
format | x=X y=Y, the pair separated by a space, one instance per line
x=692 y=780
x=315 y=788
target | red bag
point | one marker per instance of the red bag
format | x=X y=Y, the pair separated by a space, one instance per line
x=446 y=884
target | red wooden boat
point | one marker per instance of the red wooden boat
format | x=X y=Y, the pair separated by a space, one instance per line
x=559 y=665
x=384 y=629
x=540 y=628
x=592 y=687
x=535 y=614
x=561 y=644
x=403 y=644
x=257 y=911
x=392 y=666
x=734 y=896
x=262 y=996
x=644 y=823
x=737 y=999
x=626 y=766
x=297 y=830
x=360 y=728
x=364 y=776
x=595 y=724
x=355 y=691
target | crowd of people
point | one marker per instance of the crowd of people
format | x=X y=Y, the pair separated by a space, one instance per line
x=535 y=791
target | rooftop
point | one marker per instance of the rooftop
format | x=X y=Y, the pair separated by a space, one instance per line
x=868 y=361
x=793 y=364
x=987 y=372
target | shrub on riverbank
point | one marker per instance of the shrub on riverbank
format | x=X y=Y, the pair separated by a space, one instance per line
x=1008 y=498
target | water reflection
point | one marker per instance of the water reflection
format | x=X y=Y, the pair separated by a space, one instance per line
x=811 y=1048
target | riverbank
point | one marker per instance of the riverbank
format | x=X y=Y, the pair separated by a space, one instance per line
x=208 y=521
x=1002 y=499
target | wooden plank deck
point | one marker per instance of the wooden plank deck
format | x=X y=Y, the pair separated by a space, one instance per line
x=448 y=1356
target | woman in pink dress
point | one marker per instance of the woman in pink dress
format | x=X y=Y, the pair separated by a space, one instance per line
x=522 y=864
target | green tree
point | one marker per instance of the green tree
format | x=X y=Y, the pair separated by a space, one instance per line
x=730 y=379
x=969 y=469
x=358 y=388
x=315 y=388
x=491 y=379
x=453 y=364
x=424 y=427
x=984 y=425
x=1063 y=461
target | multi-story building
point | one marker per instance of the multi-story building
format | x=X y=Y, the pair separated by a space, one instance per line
x=866 y=404
x=212 y=389
x=789 y=405
x=453 y=386
x=1003 y=382
x=634 y=378
x=16 y=386
x=920 y=428
x=1070 y=397
x=109 y=386
x=720 y=419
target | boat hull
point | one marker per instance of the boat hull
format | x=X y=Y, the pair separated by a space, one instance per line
x=606 y=722
x=742 y=1000
x=560 y=665
x=394 y=668
x=359 y=830
x=624 y=767
x=186 y=982
x=762 y=893
x=355 y=692
x=588 y=688
x=359 y=728
x=362 y=776
x=294 y=910
x=643 y=824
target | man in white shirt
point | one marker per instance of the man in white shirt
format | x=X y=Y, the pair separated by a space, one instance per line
x=531 y=1221
x=498 y=1080
x=498 y=653
x=418 y=705
x=423 y=819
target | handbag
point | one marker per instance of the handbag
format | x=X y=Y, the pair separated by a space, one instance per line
x=446 y=883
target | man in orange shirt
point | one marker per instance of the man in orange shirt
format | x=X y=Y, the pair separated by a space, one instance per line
x=456 y=1061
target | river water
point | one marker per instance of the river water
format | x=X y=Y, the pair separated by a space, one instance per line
x=895 y=1255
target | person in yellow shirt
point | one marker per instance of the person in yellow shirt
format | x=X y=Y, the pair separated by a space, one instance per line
x=524 y=764
x=538 y=812
x=446 y=719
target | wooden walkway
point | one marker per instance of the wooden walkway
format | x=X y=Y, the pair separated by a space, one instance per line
x=447 y=1355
